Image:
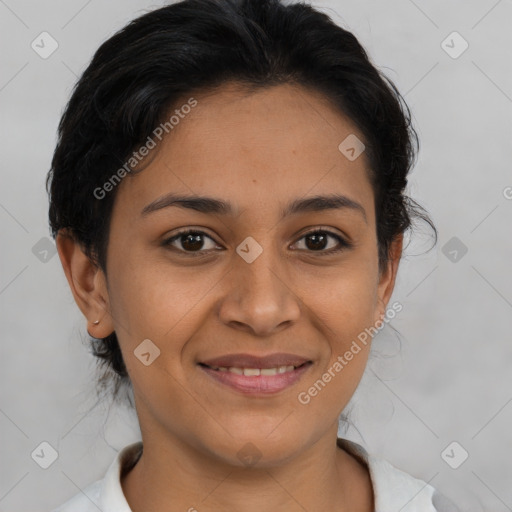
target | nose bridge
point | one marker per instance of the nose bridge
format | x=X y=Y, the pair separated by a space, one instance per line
x=259 y=277
x=257 y=268
x=258 y=297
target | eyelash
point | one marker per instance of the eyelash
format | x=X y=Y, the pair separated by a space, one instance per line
x=344 y=244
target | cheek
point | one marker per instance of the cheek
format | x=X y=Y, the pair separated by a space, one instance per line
x=150 y=295
x=345 y=307
x=345 y=311
x=150 y=299
x=345 y=300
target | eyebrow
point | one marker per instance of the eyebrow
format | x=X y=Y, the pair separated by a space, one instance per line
x=211 y=205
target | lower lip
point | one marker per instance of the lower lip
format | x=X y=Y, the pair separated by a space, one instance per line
x=257 y=384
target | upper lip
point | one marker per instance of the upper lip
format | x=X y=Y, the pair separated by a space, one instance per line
x=251 y=361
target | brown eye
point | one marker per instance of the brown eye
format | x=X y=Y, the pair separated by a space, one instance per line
x=191 y=241
x=318 y=241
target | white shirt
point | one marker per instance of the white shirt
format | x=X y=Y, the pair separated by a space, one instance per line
x=394 y=490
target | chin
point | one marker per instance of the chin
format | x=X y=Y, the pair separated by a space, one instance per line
x=257 y=450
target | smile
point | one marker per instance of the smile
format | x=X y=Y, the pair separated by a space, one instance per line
x=257 y=380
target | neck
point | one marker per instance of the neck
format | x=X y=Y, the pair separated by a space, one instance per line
x=171 y=475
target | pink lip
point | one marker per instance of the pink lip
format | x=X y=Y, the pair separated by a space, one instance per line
x=250 y=361
x=258 y=384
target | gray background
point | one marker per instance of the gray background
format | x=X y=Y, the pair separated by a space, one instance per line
x=449 y=381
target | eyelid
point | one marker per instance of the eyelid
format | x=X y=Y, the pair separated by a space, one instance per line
x=185 y=231
x=343 y=241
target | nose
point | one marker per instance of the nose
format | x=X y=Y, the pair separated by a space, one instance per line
x=259 y=299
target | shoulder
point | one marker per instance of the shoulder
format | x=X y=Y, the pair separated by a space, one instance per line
x=84 y=501
x=396 y=490
x=106 y=494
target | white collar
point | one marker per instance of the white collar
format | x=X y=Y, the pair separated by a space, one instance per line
x=393 y=489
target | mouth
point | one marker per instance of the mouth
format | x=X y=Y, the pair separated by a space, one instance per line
x=257 y=380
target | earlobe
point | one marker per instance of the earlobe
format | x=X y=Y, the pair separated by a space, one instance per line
x=87 y=283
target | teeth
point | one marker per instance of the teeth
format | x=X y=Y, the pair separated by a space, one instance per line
x=253 y=372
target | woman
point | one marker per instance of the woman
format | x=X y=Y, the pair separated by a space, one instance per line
x=227 y=197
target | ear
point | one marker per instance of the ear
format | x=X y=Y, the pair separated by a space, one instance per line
x=88 y=284
x=387 y=277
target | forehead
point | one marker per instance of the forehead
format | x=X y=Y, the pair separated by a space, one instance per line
x=253 y=148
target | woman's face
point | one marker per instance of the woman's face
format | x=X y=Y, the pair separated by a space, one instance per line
x=251 y=282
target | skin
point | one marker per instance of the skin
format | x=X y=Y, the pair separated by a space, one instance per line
x=259 y=151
